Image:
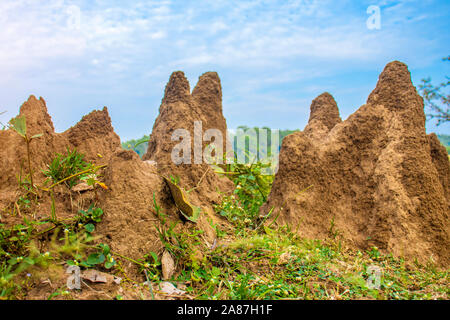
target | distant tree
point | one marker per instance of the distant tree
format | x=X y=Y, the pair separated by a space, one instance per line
x=436 y=99
x=139 y=146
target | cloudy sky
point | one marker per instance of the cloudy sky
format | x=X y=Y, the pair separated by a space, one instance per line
x=273 y=56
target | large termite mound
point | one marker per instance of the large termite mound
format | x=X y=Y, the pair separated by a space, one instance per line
x=135 y=187
x=130 y=218
x=133 y=191
x=194 y=113
x=376 y=178
x=93 y=136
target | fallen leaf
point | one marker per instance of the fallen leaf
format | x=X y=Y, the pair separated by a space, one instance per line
x=168 y=265
x=97 y=276
x=81 y=187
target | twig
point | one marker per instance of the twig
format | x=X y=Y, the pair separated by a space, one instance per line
x=18 y=209
x=102 y=292
x=200 y=181
x=73 y=176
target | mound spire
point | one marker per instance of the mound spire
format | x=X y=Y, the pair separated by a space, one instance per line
x=376 y=177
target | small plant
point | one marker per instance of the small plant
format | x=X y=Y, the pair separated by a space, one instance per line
x=103 y=256
x=151 y=264
x=93 y=214
x=18 y=253
x=92 y=180
x=65 y=166
x=252 y=190
x=333 y=231
x=19 y=125
x=374 y=253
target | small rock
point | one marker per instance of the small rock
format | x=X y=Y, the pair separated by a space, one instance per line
x=170 y=289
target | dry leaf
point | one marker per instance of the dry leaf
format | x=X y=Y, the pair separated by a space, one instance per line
x=168 y=265
x=83 y=186
x=97 y=276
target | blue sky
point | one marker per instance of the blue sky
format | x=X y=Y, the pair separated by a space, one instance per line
x=273 y=57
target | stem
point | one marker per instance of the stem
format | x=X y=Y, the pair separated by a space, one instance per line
x=149 y=285
x=53 y=207
x=73 y=176
x=119 y=255
x=29 y=160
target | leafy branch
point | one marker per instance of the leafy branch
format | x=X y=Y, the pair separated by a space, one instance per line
x=436 y=99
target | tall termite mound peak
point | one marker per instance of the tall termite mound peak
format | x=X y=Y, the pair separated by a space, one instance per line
x=323 y=117
x=376 y=178
x=180 y=110
x=93 y=135
x=38 y=119
x=208 y=94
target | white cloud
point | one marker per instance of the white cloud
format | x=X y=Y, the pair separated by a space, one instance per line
x=132 y=46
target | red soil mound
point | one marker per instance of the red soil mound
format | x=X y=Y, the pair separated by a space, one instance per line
x=92 y=136
x=134 y=186
x=376 y=178
x=179 y=110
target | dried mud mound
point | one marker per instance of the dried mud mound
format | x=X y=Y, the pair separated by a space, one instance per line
x=129 y=221
x=93 y=136
x=135 y=186
x=377 y=179
x=180 y=110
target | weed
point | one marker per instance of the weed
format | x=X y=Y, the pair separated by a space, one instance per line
x=252 y=189
x=64 y=166
x=19 y=125
x=93 y=214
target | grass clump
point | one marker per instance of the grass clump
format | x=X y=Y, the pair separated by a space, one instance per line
x=65 y=166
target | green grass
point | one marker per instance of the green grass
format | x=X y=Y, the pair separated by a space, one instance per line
x=63 y=166
x=250 y=260
x=277 y=264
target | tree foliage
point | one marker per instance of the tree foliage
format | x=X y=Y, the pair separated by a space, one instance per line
x=436 y=98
